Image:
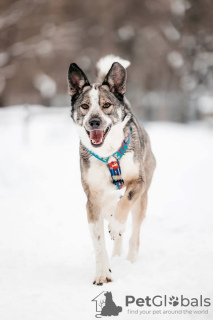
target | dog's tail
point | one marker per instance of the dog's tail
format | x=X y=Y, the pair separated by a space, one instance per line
x=105 y=63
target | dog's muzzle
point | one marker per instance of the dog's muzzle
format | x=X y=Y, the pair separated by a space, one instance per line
x=97 y=136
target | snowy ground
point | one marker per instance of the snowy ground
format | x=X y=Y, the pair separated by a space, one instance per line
x=46 y=255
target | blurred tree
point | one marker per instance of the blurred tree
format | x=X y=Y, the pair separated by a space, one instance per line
x=169 y=43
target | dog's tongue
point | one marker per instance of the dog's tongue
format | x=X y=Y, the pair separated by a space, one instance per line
x=96 y=136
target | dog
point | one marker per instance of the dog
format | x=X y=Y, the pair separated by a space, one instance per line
x=116 y=159
x=110 y=308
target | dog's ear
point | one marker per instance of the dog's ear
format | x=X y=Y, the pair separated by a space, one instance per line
x=77 y=80
x=116 y=79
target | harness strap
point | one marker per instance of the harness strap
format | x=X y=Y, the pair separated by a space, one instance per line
x=119 y=153
x=113 y=161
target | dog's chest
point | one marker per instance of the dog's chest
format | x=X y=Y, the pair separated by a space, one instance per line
x=99 y=178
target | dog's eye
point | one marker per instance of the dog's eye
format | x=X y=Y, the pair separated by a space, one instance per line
x=106 y=105
x=84 y=106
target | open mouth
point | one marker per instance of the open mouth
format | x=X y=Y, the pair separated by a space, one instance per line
x=97 y=136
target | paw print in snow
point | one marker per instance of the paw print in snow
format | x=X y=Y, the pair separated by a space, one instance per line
x=173 y=301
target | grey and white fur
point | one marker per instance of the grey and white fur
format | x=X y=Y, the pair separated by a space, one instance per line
x=103 y=117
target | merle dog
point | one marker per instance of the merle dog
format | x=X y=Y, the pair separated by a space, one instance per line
x=116 y=159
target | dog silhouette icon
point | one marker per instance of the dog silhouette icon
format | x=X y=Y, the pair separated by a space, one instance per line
x=110 y=308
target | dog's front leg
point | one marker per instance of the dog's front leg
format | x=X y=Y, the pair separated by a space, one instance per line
x=133 y=191
x=96 y=223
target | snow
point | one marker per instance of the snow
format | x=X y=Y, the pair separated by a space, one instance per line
x=178 y=7
x=4 y=57
x=45 y=84
x=175 y=59
x=46 y=255
x=205 y=104
x=171 y=32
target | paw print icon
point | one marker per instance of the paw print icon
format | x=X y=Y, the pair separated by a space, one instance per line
x=173 y=301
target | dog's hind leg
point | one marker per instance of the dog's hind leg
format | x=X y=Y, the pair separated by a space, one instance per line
x=138 y=214
x=117 y=249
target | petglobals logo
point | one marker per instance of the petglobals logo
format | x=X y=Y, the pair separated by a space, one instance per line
x=105 y=305
x=164 y=301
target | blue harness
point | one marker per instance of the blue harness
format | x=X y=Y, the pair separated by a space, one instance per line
x=113 y=161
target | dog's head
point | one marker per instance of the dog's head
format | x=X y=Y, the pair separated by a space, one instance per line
x=108 y=295
x=98 y=110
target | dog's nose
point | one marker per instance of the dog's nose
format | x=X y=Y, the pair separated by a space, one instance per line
x=95 y=123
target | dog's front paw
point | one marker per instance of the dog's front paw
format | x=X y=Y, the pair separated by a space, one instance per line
x=102 y=277
x=115 y=229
